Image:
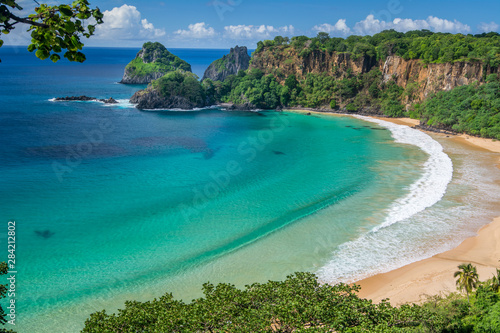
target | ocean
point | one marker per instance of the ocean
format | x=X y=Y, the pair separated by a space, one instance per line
x=114 y=204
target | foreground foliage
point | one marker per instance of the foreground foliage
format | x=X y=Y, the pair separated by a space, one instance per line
x=54 y=28
x=300 y=303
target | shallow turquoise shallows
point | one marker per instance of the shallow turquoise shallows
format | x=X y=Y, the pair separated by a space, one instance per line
x=112 y=203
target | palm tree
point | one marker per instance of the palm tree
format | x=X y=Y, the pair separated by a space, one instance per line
x=495 y=281
x=467 y=278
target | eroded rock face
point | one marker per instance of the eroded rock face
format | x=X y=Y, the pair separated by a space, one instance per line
x=150 y=99
x=431 y=78
x=424 y=78
x=237 y=59
x=130 y=78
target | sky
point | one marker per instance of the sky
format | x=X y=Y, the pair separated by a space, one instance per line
x=226 y=23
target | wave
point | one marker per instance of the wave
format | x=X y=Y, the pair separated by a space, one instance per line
x=380 y=248
x=431 y=187
x=184 y=110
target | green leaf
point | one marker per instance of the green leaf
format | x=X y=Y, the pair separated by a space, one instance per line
x=42 y=54
x=1 y=43
x=55 y=58
x=69 y=27
x=32 y=47
x=66 y=10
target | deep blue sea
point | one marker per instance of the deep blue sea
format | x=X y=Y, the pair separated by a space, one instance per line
x=112 y=203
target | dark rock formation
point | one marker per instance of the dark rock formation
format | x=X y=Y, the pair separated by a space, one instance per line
x=84 y=98
x=152 y=62
x=151 y=99
x=237 y=59
x=239 y=107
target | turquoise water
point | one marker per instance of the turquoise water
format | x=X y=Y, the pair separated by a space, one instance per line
x=112 y=203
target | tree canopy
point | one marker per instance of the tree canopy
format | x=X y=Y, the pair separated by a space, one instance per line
x=53 y=28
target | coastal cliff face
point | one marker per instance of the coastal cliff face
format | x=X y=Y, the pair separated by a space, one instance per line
x=237 y=59
x=152 y=62
x=287 y=61
x=418 y=78
x=431 y=78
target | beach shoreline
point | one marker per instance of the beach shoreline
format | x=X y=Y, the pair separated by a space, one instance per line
x=415 y=282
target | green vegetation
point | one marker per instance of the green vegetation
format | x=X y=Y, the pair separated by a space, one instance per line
x=181 y=83
x=472 y=109
x=419 y=44
x=221 y=64
x=250 y=87
x=301 y=304
x=53 y=28
x=155 y=59
x=354 y=92
x=467 y=278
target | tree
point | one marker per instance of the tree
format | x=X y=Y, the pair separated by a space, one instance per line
x=467 y=278
x=495 y=281
x=53 y=28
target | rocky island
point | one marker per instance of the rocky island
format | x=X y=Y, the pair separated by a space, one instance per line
x=175 y=90
x=152 y=62
x=237 y=59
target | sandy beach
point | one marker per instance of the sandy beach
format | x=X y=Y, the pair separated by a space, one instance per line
x=414 y=282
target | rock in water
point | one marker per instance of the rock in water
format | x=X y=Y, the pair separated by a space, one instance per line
x=175 y=90
x=84 y=98
x=237 y=59
x=152 y=62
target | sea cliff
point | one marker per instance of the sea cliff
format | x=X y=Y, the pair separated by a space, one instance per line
x=237 y=59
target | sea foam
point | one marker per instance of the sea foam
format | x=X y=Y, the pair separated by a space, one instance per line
x=381 y=248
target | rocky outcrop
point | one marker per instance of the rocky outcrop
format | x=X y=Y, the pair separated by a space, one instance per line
x=152 y=62
x=287 y=61
x=431 y=78
x=237 y=59
x=130 y=78
x=150 y=99
x=424 y=78
x=110 y=100
x=238 y=107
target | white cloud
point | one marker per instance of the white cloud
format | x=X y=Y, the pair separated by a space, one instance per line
x=340 y=26
x=125 y=22
x=256 y=32
x=442 y=25
x=371 y=25
x=197 y=31
x=488 y=27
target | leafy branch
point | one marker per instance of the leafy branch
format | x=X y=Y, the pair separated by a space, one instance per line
x=53 y=28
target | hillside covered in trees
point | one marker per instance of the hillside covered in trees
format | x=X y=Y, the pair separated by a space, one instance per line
x=448 y=81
